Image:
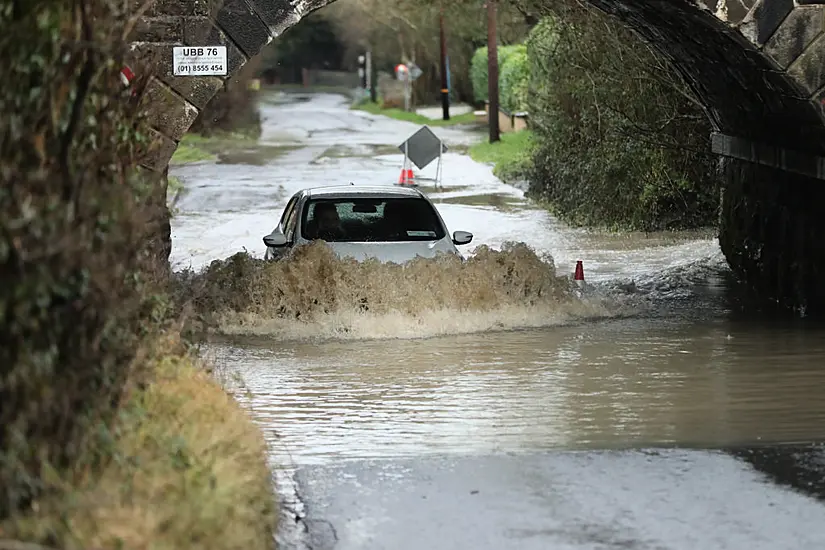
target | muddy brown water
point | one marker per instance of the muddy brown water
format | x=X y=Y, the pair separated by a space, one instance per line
x=699 y=377
x=676 y=363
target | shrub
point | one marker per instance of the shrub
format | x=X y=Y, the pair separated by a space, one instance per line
x=478 y=74
x=75 y=223
x=187 y=454
x=619 y=138
x=478 y=69
x=514 y=80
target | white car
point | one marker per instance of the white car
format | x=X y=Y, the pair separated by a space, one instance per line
x=391 y=224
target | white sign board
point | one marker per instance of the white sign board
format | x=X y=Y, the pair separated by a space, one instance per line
x=199 y=60
x=415 y=71
x=401 y=72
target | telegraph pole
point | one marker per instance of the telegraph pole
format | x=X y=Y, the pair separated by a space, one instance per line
x=492 y=71
x=445 y=90
x=371 y=80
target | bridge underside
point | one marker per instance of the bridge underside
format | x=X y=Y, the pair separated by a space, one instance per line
x=756 y=65
x=760 y=77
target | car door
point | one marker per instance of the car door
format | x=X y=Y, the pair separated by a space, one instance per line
x=288 y=217
x=291 y=223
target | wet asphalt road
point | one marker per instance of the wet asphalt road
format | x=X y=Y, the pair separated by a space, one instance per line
x=635 y=499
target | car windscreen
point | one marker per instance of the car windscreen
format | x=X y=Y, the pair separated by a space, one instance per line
x=371 y=220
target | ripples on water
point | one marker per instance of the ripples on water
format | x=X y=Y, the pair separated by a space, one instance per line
x=686 y=372
x=612 y=385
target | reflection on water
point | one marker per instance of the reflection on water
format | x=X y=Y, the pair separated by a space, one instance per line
x=698 y=380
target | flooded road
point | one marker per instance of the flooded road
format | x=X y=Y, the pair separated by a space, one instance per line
x=464 y=429
x=615 y=385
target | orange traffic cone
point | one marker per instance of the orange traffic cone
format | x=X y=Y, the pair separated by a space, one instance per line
x=578 y=276
x=406 y=177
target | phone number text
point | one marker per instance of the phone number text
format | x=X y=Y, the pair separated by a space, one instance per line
x=200 y=68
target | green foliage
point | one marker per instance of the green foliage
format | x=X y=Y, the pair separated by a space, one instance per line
x=400 y=114
x=514 y=80
x=512 y=155
x=512 y=75
x=409 y=30
x=478 y=74
x=619 y=139
x=76 y=235
x=190 y=152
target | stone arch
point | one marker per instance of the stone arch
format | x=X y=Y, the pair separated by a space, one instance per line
x=244 y=26
x=756 y=65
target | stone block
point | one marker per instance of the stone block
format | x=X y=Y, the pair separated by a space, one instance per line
x=278 y=15
x=201 y=31
x=243 y=26
x=764 y=19
x=795 y=34
x=305 y=7
x=197 y=90
x=809 y=68
x=158 y=29
x=175 y=7
x=819 y=101
x=147 y=55
x=158 y=152
x=166 y=111
x=799 y=162
x=732 y=12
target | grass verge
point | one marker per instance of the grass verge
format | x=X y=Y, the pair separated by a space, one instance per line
x=512 y=156
x=196 y=148
x=174 y=187
x=174 y=191
x=187 y=470
x=190 y=149
x=400 y=114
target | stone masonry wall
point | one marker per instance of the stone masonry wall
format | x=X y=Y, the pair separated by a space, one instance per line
x=243 y=26
x=772 y=233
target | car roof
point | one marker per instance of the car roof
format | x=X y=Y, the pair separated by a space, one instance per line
x=364 y=191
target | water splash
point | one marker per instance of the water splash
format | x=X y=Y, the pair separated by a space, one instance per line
x=315 y=294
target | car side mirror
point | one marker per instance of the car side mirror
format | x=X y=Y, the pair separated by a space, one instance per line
x=275 y=239
x=462 y=237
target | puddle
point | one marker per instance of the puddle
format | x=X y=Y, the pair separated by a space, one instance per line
x=258 y=155
x=496 y=200
x=433 y=192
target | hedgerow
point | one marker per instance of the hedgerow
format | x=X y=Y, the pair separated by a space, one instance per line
x=619 y=140
x=478 y=69
x=91 y=423
x=74 y=261
x=514 y=80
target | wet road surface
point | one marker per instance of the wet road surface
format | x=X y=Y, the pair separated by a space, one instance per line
x=680 y=423
x=663 y=499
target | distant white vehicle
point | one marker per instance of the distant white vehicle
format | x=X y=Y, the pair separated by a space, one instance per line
x=391 y=224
